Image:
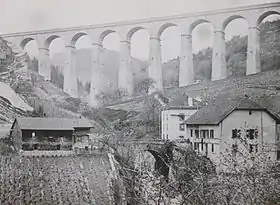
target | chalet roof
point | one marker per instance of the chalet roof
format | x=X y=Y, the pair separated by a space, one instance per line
x=52 y=123
x=215 y=112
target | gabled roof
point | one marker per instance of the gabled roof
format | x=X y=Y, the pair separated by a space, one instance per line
x=183 y=104
x=248 y=104
x=215 y=112
x=180 y=102
x=52 y=123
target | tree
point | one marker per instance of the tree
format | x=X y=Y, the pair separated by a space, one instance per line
x=57 y=76
x=111 y=96
x=245 y=178
x=33 y=64
x=87 y=87
x=39 y=112
x=143 y=86
x=248 y=172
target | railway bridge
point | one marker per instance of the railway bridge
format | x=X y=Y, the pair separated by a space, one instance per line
x=253 y=14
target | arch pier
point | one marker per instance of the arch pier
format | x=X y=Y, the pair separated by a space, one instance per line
x=97 y=75
x=253 y=52
x=186 y=76
x=70 y=73
x=219 y=19
x=155 y=71
x=219 y=56
x=44 y=63
x=125 y=81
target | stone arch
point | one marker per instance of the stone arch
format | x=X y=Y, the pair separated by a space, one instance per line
x=160 y=162
x=133 y=31
x=26 y=41
x=76 y=37
x=232 y=18
x=264 y=15
x=198 y=22
x=49 y=40
x=104 y=34
x=164 y=27
x=144 y=158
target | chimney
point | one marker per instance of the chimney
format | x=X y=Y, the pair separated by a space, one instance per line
x=190 y=101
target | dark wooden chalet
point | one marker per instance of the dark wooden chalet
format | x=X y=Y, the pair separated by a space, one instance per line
x=48 y=133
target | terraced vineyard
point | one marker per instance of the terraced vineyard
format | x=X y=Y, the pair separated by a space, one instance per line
x=54 y=180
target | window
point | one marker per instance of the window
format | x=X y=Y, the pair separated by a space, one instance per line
x=234 y=149
x=201 y=146
x=204 y=133
x=207 y=133
x=256 y=133
x=191 y=132
x=35 y=146
x=278 y=155
x=181 y=117
x=211 y=134
x=250 y=112
x=181 y=137
x=252 y=133
x=182 y=127
x=196 y=145
x=236 y=133
x=196 y=132
x=251 y=148
x=167 y=136
x=206 y=147
x=166 y=126
x=212 y=148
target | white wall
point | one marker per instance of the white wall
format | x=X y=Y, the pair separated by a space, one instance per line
x=261 y=120
x=207 y=142
x=170 y=123
x=223 y=134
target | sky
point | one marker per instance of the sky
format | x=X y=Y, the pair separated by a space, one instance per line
x=27 y=15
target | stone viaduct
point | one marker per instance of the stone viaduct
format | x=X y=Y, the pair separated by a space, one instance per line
x=155 y=26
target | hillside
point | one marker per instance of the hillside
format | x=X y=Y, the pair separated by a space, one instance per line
x=263 y=87
x=23 y=90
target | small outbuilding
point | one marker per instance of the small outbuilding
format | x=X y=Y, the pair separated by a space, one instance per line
x=48 y=133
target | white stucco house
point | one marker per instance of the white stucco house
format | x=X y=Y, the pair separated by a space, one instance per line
x=217 y=129
x=173 y=117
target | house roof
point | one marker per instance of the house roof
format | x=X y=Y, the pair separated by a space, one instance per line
x=52 y=123
x=215 y=112
x=180 y=102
